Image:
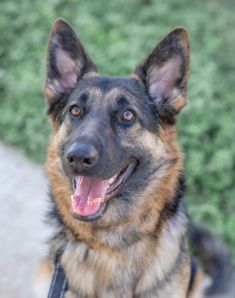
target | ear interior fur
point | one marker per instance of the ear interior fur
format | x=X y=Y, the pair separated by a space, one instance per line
x=165 y=71
x=67 y=60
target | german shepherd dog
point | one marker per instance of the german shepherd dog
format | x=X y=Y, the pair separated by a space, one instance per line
x=116 y=171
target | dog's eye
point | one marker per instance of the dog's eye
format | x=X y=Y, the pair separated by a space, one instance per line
x=75 y=111
x=128 y=115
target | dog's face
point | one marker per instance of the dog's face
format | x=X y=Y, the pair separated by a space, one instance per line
x=109 y=131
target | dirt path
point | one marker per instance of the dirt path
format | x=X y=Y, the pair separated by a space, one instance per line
x=23 y=199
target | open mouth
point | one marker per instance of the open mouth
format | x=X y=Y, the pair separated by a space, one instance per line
x=91 y=195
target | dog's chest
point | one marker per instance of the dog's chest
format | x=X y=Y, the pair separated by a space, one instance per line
x=99 y=273
x=135 y=273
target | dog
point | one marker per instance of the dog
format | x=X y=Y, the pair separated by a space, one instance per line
x=116 y=172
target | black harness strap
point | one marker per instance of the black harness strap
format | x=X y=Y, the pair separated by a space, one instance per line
x=59 y=283
x=194 y=266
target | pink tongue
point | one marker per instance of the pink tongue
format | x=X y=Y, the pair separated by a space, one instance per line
x=88 y=195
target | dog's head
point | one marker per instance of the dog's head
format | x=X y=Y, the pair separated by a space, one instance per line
x=113 y=136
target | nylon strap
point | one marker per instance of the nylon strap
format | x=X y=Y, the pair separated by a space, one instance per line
x=59 y=283
x=193 y=274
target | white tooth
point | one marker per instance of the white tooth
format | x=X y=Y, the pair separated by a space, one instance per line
x=111 y=180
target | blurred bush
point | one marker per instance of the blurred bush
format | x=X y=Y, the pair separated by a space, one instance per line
x=118 y=34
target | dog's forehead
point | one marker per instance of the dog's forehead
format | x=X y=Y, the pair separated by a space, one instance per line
x=106 y=90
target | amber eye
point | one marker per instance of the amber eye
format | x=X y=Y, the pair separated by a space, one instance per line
x=128 y=115
x=75 y=111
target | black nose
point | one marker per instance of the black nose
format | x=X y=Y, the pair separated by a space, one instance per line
x=82 y=156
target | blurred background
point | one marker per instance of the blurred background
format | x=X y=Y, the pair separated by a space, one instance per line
x=118 y=34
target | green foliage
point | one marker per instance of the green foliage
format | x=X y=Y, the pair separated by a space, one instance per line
x=118 y=34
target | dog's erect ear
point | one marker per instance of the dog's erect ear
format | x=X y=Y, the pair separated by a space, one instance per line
x=165 y=72
x=67 y=60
